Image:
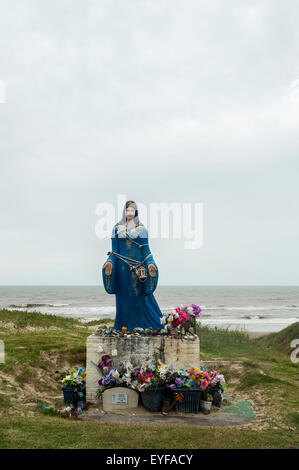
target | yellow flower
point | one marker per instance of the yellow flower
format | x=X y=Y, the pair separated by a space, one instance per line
x=124 y=328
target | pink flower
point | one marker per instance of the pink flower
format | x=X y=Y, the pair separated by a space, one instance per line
x=182 y=315
x=204 y=384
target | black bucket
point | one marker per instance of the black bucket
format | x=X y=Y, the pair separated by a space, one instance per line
x=153 y=398
x=190 y=401
x=69 y=395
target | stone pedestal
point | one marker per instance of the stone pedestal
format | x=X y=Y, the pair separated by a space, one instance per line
x=180 y=353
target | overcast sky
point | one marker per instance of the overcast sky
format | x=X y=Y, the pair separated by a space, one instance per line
x=160 y=100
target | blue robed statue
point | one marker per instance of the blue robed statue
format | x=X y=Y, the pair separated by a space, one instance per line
x=131 y=273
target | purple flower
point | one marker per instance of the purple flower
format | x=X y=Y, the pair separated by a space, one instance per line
x=179 y=382
x=196 y=310
x=105 y=362
x=107 y=379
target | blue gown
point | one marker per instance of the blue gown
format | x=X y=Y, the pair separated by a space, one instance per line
x=136 y=305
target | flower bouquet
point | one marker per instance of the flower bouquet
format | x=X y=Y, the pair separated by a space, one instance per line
x=157 y=380
x=186 y=389
x=153 y=396
x=183 y=316
x=216 y=388
x=149 y=379
x=74 y=387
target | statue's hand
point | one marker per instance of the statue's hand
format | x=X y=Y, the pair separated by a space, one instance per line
x=152 y=270
x=108 y=268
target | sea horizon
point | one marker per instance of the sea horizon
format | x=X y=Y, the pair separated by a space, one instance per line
x=251 y=308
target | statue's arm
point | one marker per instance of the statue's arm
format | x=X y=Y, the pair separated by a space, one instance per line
x=151 y=283
x=145 y=248
x=150 y=262
x=108 y=269
x=111 y=258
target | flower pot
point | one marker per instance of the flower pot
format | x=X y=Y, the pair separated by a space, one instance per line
x=216 y=393
x=205 y=406
x=152 y=398
x=190 y=401
x=69 y=395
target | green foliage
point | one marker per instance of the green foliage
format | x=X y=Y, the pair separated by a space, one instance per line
x=4 y=401
x=50 y=432
x=22 y=319
x=294 y=418
x=281 y=341
x=224 y=342
x=254 y=378
x=106 y=321
x=49 y=411
x=234 y=344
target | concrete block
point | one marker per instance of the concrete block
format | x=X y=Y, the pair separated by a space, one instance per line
x=119 y=398
x=138 y=349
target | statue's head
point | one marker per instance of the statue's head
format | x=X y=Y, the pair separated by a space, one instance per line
x=131 y=210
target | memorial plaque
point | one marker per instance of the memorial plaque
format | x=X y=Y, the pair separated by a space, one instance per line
x=119 y=398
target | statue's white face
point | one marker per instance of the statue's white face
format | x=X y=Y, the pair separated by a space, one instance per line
x=130 y=213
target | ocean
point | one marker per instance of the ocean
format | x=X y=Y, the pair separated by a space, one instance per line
x=251 y=308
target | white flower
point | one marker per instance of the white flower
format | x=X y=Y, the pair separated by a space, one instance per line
x=127 y=378
x=114 y=352
x=128 y=365
x=115 y=374
x=162 y=320
x=140 y=387
x=100 y=349
x=189 y=310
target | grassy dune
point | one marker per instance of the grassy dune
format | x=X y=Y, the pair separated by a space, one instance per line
x=41 y=349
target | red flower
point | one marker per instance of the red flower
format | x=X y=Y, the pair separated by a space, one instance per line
x=182 y=318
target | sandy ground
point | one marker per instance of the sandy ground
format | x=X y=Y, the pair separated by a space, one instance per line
x=256 y=334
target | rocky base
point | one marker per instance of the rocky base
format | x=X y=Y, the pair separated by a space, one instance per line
x=183 y=332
